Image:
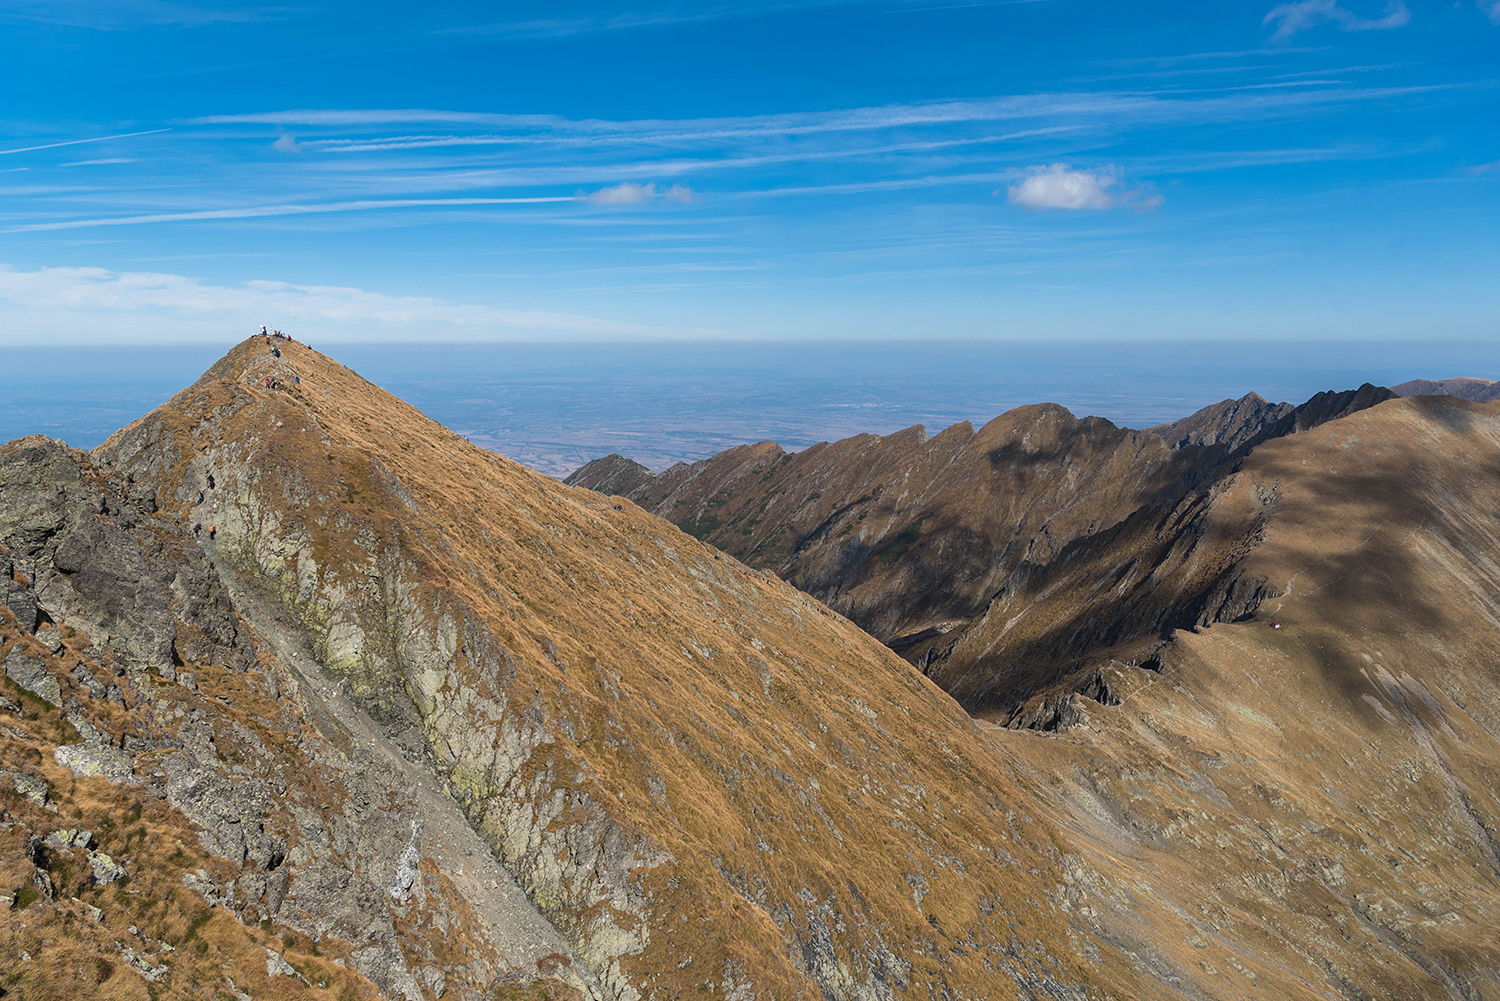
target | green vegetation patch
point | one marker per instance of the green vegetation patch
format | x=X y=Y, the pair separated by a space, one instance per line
x=903 y=541
x=701 y=527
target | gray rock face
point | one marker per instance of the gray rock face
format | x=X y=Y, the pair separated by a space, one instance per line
x=303 y=796
x=103 y=869
x=99 y=760
x=613 y=474
x=1230 y=423
x=102 y=562
x=32 y=676
x=33 y=789
x=1463 y=387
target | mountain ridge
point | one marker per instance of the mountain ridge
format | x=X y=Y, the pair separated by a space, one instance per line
x=452 y=682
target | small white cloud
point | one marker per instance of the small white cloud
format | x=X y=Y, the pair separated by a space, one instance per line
x=1490 y=9
x=630 y=193
x=286 y=144
x=1059 y=186
x=1295 y=17
x=627 y=193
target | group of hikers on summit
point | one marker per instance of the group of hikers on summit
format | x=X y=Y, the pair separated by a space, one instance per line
x=276 y=335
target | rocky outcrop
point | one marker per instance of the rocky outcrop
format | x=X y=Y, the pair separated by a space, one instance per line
x=300 y=821
x=1230 y=423
x=613 y=474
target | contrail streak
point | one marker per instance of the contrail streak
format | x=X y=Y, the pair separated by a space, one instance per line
x=75 y=142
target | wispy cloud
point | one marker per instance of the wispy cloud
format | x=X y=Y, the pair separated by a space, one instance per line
x=1490 y=9
x=77 y=142
x=261 y=211
x=121 y=15
x=1291 y=18
x=1136 y=108
x=56 y=297
x=1060 y=186
x=92 y=163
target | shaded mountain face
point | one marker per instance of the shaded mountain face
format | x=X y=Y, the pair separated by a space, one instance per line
x=907 y=534
x=1464 y=387
x=423 y=723
x=614 y=475
x=1231 y=423
x=915 y=538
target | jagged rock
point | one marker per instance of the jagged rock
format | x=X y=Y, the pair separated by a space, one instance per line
x=1463 y=387
x=33 y=789
x=103 y=869
x=69 y=837
x=90 y=684
x=228 y=811
x=612 y=474
x=33 y=676
x=277 y=966
x=95 y=759
x=51 y=638
x=134 y=960
x=15 y=590
x=1230 y=423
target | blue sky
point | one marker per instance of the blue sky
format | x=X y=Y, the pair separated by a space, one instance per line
x=1035 y=170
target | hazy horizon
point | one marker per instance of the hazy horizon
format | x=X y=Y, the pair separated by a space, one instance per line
x=555 y=407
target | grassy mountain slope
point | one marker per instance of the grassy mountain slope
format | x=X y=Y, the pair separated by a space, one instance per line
x=1316 y=804
x=704 y=780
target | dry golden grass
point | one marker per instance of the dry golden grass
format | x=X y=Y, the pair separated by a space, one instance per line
x=796 y=772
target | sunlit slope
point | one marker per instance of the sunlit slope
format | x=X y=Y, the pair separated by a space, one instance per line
x=1312 y=810
x=706 y=781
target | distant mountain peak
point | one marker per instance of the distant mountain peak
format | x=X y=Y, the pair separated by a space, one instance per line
x=1465 y=387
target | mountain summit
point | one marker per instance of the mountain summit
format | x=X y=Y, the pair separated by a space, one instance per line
x=312 y=696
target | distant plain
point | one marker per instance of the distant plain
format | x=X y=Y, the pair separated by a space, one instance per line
x=555 y=407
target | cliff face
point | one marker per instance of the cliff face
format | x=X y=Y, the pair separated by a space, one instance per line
x=186 y=799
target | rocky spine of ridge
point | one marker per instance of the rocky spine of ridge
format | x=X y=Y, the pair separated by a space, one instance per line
x=1462 y=387
x=697 y=780
x=613 y=474
x=917 y=538
x=697 y=777
x=1230 y=423
x=182 y=806
x=909 y=535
